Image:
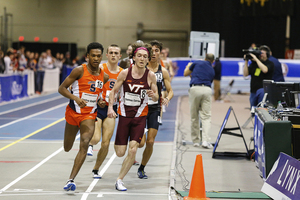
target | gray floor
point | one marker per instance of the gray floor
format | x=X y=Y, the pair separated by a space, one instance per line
x=228 y=174
x=41 y=167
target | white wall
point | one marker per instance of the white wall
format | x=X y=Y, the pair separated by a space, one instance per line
x=106 y=21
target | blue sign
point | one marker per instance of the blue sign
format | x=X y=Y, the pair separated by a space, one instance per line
x=259 y=146
x=13 y=87
x=283 y=180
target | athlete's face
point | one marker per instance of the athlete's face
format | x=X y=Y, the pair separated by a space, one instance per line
x=155 y=54
x=113 y=54
x=94 y=57
x=141 y=58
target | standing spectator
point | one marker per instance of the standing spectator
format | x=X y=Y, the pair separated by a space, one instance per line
x=126 y=62
x=202 y=74
x=2 y=64
x=68 y=60
x=22 y=59
x=58 y=61
x=42 y=65
x=260 y=69
x=277 y=74
x=217 y=79
x=8 y=61
x=50 y=59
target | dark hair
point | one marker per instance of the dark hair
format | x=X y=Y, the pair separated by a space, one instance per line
x=157 y=44
x=94 y=45
x=265 y=48
x=113 y=45
x=210 y=57
x=139 y=44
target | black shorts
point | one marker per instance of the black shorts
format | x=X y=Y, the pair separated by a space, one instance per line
x=102 y=112
x=153 y=119
x=130 y=127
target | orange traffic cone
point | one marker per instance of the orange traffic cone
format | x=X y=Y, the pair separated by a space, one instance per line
x=197 y=189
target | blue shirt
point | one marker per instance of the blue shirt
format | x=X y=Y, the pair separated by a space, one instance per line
x=277 y=74
x=202 y=73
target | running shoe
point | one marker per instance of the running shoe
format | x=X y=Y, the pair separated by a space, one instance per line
x=120 y=185
x=142 y=174
x=96 y=175
x=90 y=150
x=207 y=145
x=136 y=162
x=70 y=186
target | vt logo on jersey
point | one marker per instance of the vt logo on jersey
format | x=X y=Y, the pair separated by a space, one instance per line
x=135 y=87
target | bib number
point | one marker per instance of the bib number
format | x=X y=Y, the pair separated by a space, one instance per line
x=91 y=99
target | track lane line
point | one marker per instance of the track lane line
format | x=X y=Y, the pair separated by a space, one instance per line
x=34 y=168
x=32 y=104
x=31 y=134
x=33 y=115
x=95 y=181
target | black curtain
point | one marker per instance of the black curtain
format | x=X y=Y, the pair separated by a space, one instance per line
x=43 y=46
x=240 y=24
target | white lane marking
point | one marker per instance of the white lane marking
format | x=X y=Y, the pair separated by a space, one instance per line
x=33 y=115
x=174 y=154
x=29 y=105
x=92 y=185
x=34 y=168
x=127 y=193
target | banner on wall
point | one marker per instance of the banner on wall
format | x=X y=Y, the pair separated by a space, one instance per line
x=13 y=87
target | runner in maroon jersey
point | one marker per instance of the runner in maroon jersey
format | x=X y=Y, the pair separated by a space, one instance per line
x=136 y=84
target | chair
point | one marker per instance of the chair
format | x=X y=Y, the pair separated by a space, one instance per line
x=226 y=91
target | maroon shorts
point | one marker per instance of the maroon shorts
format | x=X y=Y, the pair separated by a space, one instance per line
x=130 y=127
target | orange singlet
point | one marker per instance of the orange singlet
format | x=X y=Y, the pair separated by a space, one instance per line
x=110 y=83
x=88 y=87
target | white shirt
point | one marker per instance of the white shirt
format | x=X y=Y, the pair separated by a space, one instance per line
x=8 y=66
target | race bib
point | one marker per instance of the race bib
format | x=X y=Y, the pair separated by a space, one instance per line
x=91 y=99
x=98 y=84
x=132 y=99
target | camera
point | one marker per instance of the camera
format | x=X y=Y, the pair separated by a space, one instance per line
x=247 y=52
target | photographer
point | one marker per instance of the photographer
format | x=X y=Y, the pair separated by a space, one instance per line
x=260 y=69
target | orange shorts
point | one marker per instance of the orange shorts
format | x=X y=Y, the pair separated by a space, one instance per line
x=75 y=118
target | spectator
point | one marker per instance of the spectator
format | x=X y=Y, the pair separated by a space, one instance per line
x=8 y=61
x=260 y=69
x=202 y=74
x=277 y=74
x=2 y=64
x=126 y=62
x=68 y=60
x=42 y=65
x=217 y=79
x=49 y=59
x=21 y=58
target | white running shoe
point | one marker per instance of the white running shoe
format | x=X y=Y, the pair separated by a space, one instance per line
x=70 y=186
x=120 y=185
x=196 y=145
x=207 y=145
x=90 y=150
